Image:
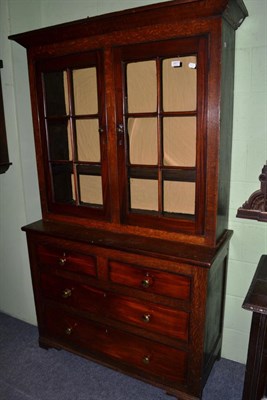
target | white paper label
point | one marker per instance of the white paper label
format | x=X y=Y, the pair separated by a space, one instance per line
x=192 y=65
x=176 y=64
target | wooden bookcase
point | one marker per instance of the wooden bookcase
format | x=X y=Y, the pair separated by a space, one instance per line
x=132 y=115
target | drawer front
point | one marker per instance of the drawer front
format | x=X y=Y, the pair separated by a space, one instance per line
x=152 y=317
x=165 y=362
x=73 y=294
x=66 y=259
x=149 y=280
x=149 y=316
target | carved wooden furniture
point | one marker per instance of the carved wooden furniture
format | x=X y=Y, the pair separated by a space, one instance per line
x=255 y=386
x=4 y=159
x=256 y=206
x=132 y=116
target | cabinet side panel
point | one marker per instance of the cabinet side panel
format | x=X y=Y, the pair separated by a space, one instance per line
x=35 y=277
x=226 y=125
x=214 y=314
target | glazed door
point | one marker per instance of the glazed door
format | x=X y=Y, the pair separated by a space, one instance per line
x=73 y=134
x=161 y=132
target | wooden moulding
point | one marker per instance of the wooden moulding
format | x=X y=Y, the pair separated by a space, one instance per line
x=233 y=11
x=256 y=206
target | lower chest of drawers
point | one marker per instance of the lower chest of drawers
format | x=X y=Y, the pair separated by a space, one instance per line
x=139 y=314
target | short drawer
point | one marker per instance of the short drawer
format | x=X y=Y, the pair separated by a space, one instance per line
x=164 y=362
x=71 y=293
x=149 y=280
x=146 y=315
x=66 y=259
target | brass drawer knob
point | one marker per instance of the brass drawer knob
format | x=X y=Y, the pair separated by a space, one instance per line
x=146 y=283
x=146 y=318
x=62 y=261
x=68 y=331
x=146 y=360
x=66 y=293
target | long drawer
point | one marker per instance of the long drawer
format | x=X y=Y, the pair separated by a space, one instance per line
x=146 y=356
x=147 y=315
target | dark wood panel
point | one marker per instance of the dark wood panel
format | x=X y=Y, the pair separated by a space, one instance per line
x=255 y=385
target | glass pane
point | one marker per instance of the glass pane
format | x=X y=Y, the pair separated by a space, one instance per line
x=59 y=140
x=179 y=84
x=142 y=86
x=88 y=144
x=85 y=91
x=91 y=189
x=179 y=141
x=62 y=184
x=179 y=197
x=56 y=93
x=144 y=194
x=143 y=141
